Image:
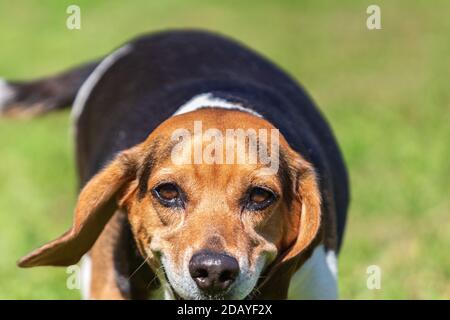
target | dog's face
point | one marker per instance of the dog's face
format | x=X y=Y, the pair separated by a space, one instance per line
x=207 y=228
x=210 y=228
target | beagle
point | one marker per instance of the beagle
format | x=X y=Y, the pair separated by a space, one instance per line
x=154 y=221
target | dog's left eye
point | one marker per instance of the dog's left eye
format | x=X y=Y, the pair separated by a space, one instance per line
x=168 y=194
x=260 y=198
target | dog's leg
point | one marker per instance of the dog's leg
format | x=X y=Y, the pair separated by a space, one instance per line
x=317 y=277
x=31 y=98
x=105 y=283
x=117 y=270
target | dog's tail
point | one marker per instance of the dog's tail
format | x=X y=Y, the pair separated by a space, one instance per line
x=32 y=98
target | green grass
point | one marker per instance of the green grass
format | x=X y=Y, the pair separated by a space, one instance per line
x=385 y=93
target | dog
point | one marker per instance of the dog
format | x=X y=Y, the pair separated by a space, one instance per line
x=154 y=223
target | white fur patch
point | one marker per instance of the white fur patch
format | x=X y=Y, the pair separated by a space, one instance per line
x=6 y=93
x=208 y=100
x=332 y=263
x=316 y=278
x=181 y=280
x=88 y=85
x=86 y=275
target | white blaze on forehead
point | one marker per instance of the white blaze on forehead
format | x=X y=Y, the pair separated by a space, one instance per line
x=223 y=143
x=208 y=100
x=6 y=93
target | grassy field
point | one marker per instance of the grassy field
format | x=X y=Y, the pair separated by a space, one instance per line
x=385 y=92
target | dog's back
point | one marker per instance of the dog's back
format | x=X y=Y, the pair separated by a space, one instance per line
x=120 y=100
x=148 y=79
x=130 y=92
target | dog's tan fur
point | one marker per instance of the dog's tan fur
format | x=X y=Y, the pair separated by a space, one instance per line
x=211 y=220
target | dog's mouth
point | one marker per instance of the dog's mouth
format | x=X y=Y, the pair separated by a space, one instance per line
x=223 y=296
x=175 y=293
x=226 y=295
x=250 y=296
x=215 y=297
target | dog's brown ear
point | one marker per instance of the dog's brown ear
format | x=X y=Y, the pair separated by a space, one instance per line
x=304 y=224
x=96 y=204
x=306 y=203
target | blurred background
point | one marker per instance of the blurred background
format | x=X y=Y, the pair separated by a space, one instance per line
x=385 y=93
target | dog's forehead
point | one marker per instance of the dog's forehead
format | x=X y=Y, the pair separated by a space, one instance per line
x=205 y=119
x=204 y=123
x=212 y=118
x=165 y=162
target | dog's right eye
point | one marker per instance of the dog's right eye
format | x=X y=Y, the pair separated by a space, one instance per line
x=168 y=194
x=260 y=198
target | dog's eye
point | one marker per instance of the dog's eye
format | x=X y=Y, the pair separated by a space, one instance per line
x=168 y=194
x=260 y=198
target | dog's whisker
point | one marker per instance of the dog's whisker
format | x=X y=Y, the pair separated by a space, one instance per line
x=139 y=267
x=151 y=281
x=255 y=292
x=156 y=276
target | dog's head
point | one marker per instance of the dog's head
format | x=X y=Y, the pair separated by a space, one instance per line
x=205 y=215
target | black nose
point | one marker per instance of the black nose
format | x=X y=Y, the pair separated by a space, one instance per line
x=213 y=272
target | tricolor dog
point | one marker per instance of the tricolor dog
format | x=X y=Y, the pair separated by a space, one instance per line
x=206 y=172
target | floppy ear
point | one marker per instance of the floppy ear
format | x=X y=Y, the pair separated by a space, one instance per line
x=96 y=204
x=306 y=203
x=306 y=213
